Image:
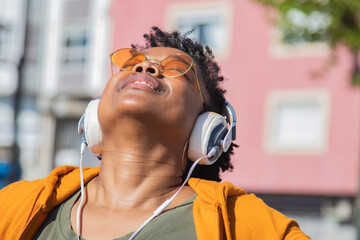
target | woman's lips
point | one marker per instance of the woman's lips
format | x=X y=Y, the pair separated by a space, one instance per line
x=141 y=81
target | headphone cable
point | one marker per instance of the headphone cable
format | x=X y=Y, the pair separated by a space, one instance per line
x=78 y=219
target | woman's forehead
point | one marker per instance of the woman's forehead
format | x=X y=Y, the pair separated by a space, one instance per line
x=159 y=53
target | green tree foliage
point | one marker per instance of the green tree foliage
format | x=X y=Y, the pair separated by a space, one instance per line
x=334 y=21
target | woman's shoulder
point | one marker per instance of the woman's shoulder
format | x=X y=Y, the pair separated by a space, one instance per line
x=243 y=212
x=25 y=201
x=58 y=182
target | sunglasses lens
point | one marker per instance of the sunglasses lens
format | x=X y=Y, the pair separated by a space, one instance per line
x=127 y=58
x=176 y=65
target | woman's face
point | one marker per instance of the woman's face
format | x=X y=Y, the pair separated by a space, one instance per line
x=167 y=103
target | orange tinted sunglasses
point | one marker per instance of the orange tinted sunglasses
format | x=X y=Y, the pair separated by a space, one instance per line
x=173 y=66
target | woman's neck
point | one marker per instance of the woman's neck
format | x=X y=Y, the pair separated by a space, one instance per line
x=139 y=174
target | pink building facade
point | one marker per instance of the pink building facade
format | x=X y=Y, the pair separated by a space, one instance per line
x=298 y=130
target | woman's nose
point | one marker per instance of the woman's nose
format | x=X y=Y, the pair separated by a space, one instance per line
x=147 y=67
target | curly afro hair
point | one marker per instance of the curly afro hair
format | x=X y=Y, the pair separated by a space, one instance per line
x=210 y=72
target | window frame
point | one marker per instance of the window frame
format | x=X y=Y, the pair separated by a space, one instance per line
x=279 y=49
x=275 y=98
x=224 y=10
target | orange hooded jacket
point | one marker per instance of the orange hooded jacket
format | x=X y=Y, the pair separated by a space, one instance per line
x=221 y=210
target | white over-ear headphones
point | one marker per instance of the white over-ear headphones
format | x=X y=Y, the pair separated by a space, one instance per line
x=211 y=131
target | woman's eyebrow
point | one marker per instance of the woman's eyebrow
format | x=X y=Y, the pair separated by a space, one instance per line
x=191 y=64
x=179 y=58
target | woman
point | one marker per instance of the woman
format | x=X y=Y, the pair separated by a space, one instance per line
x=147 y=114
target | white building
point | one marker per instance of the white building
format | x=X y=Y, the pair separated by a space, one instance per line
x=66 y=49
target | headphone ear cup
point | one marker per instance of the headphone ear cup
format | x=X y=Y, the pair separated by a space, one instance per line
x=208 y=130
x=92 y=129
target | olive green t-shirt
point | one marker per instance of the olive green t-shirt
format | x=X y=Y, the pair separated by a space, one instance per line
x=177 y=223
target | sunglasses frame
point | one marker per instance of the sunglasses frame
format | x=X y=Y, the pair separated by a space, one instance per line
x=148 y=59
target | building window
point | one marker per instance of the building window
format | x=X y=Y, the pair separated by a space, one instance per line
x=300 y=27
x=301 y=34
x=12 y=29
x=297 y=122
x=75 y=45
x=212 y=23
x=207 y=29
x=75 y=34
x=75 y=49
x=75 y=52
